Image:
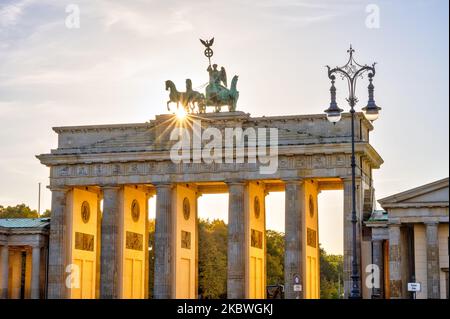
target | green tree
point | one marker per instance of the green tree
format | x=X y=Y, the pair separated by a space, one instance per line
x=331 y=275
x=151 y=257
x=212 y=263
x=46 y=214
x=275 y=257
x=18 y=211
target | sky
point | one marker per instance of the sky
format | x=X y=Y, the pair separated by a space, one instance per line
x=112 y=68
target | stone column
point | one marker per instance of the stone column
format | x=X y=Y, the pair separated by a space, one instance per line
x=197 y=195
x=98 y=247
x=395 y=262
x=294 y=258
x=348 y=234
x=433 y=271
x=35 y=272
x=57 y=245
x=110 y=244
x=163 y=243
x=378 y=260
x=4 y=259
x=146 y=238
x=236 y=241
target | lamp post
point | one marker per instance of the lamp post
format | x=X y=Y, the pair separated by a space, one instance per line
x=351 y=71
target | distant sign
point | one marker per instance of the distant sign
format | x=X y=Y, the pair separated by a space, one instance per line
x=297 y=287
x=414 y=286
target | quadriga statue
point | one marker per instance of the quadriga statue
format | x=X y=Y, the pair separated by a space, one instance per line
x=217 y=93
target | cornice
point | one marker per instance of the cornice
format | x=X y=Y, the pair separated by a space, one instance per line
x=53 y=159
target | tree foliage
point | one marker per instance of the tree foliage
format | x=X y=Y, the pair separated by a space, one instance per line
x=151 y=257
x=18 y=211
x=275 y=257
x=212 y=259
x=47 y=213
x=212 y=262
x=331 y=275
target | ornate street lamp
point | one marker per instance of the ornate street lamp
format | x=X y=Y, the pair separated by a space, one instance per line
x=351 y=71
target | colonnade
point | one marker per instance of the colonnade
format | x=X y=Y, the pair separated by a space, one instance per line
x=104 y=254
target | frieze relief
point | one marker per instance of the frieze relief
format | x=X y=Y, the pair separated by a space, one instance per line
x=99 y=170
x=311 y=237
x=185 y=239
x=301 y=162
x=256 y=239
x=84 y=241
x=64 y=171
x=134 y=241
x=134 y=169
x=339 y=160
x=167 y=167
x=116 y=169
x=283 y=162
x=83 y=170
x=319 y=161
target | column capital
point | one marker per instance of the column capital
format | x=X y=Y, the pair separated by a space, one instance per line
x=431 y=222
x=348 y=179
x=394 y=223
x=110 y=186
x=293 y=180
x=37 y=246
x=164 y=185
x=59 y=188
x=235 y=181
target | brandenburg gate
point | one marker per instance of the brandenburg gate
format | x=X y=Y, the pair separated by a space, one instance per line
x=102 y=176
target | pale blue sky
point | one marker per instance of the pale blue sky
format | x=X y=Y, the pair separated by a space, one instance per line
x=112 y=70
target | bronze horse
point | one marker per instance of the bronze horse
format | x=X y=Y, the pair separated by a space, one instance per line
x=189 y=99
x=175 y=96
x=194 y=98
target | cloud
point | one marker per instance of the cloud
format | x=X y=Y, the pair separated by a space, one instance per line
x=179 y=22
x=10 y=14
x=315 y=4
x=308 y=20
x=145 y=20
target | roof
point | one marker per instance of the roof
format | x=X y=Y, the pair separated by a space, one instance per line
x=414 y=195
x=378 y=216
x=24 y=222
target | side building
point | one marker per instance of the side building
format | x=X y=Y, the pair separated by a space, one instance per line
x=23 y=257
x=410 y=242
